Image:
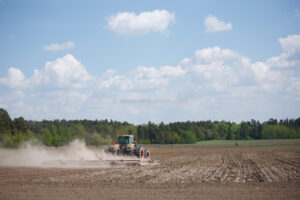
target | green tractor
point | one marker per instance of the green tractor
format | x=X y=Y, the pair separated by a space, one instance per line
x=127 y=145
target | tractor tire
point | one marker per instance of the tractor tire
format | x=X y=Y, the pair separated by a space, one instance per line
x=139 y=152
x=147 y=154
x=130 y=153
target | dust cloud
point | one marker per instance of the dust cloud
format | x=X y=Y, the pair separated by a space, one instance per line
x=74 y=155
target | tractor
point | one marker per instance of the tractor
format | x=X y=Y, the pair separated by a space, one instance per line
x=127 y=145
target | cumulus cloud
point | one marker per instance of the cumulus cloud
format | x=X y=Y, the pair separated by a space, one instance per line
x=55 y=91
x=281 y=61
x=215 y=54
x=15 y=78
x=290 y=43
x=141 y=78
x=291 y=55
x=151 y=101
x=213 y=24
x=131 y=24
x=216 y=83
x=63 y=72
x=59 y=47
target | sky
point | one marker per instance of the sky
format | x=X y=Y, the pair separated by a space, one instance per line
x=159 y=61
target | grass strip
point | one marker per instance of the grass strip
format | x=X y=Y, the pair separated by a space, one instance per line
x=224 y=146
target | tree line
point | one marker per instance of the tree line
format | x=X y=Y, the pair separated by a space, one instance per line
x=99 y=132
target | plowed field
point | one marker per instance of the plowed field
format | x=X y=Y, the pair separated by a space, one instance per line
x=183 y=173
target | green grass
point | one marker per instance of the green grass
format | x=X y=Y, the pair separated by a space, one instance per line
x=223 y=146
x=250 y=145
x=231 y=144
x=246 y=141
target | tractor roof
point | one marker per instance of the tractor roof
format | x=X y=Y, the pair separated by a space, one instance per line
x=126 y=136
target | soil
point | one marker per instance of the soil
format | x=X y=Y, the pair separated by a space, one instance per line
x=183 y=173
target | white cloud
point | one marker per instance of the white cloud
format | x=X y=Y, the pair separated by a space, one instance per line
x=281 y=61
x=213 y=24
x=15 y=78
x=162 y=72
x=215 y=54
x=59 y=47
x=290 y=43
x=131 y=24
x=51 y=92
x=75 y=95
x=291 y=55
x=63 y=72
x=141 y=78
x=215 y=83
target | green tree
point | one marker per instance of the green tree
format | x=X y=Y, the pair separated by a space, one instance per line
x=5 y=121
x=20 y=124
x=278 y=132
x=79 y=131
x=8 y=139
x=96 y=139
x=18 y=138
x=244 y=132
x=189 y=137
x=56 y=140
x=215 y=133
x=208 y=134
x=47 y=137
x=200 y=133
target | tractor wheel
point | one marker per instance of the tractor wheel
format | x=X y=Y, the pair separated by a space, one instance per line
x=139 y=152
x=130 y=153
x=147 y=154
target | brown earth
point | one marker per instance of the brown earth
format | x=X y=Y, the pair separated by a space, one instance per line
x=183 y=173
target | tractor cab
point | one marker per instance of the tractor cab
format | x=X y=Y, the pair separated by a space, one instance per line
x=126 y=139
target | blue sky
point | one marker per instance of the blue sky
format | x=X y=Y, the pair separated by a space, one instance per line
x=141 y=61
